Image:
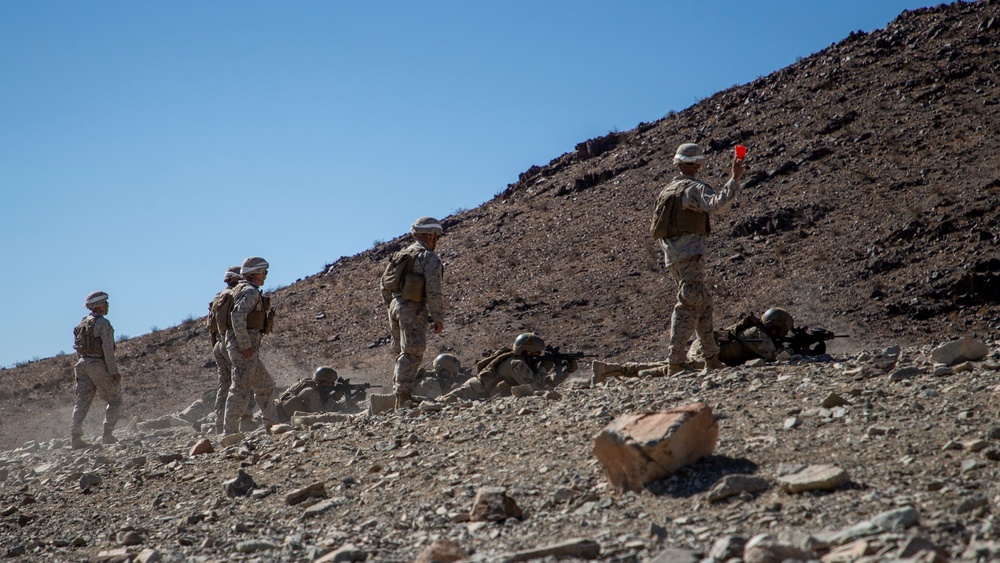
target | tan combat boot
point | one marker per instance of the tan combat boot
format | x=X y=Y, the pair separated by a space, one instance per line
x=108 y=438
x=76 y=442
x=714 y=363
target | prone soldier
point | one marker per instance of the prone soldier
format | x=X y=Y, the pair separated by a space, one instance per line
x=746 y=340
x=522 y=368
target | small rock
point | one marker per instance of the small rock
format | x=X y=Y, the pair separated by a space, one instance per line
x=971 y=503
x=204 y=446
x=297 y=496
x=442 y=551
x=766 y=548
x=89 y=480
x=240 y=486
x=319 y=508
x=346 y=553
x=277 y=429
x=253 y=546
x=733 y=485
x=814 y=477
x=895 y=520
x=791 y=422
x=230 y=440
x=728 y=547
x=905 y=373
x=493 y=504
x=131 y=537
x=834 y=400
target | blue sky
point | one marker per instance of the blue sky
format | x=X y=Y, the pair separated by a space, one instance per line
x=146 y=146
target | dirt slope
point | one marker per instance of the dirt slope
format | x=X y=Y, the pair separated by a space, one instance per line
x=871 y=206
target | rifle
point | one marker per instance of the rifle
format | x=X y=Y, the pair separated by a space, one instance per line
x=351 y=393
x=808 y=342
x=555 y=356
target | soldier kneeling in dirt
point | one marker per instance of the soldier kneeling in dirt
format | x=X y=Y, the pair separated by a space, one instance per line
x=749 y=339
x=518 y=371
x=314 y=395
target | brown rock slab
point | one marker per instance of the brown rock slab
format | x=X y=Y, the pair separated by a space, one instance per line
x=493 y=504
x=204 y=446
x=301 y=495
x=577 y=548
x=732 y=485
x=638 y=448
x=814 y=478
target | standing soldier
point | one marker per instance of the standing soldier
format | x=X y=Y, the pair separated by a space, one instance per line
x=96 y=370
x=218 y=325
x=250 y=320
x=411 y=288
x=681 y=222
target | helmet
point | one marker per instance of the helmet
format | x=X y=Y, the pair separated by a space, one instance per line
x=95 y=298
x=233 y=273
x=447 y=365
x=426 y=225
x=529 y=343
x=689 y=153
x=253 y=265
x=776 y=318
x=325 y=376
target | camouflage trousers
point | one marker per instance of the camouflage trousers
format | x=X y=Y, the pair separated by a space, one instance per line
x=693 y=311
x=408 y=322
x=225 y=368
x=250 y=379
x=92 y=378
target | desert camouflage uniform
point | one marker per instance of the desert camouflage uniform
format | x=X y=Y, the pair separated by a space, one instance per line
x=408 y=319
x=248 y=374
x=508 y=371
x=97 y=373
x=684 y=258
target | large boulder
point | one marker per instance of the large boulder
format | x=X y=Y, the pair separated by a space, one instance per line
x=638 y=448
x=964 y=349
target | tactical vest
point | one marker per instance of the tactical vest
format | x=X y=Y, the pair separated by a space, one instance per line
x=486 y=369
x=85 y=339
x=671 y=219
x=263 y=319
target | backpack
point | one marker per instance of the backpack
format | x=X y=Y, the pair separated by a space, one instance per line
x=218 y=314
x=400 y=264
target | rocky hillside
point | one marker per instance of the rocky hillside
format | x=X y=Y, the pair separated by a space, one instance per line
x=870 y=207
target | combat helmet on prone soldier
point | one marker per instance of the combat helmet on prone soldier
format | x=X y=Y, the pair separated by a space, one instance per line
x=529 y=343
x=778 y=322
x=325 y=376
x=447 y=365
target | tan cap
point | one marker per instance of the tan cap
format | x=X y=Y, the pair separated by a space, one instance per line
x=95 y=298
x=427 y=225
x=233 y=273
x=689 y=153
x=253 y=265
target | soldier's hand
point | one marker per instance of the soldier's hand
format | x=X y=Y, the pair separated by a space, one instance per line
x=738 y=169
x=572 y=365
x=248 y=353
